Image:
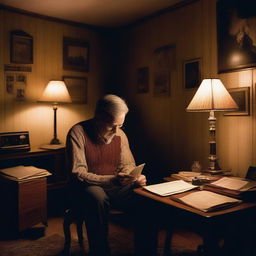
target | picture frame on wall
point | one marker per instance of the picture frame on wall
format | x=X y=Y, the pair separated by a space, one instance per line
x=162 y=83
x=15 y=85
x=241 y=96
x=235 y=35
x=192 y=73
x=77 y=87
x=21 y=50
x=75 y=54
x=165 y=57
x=143 y=80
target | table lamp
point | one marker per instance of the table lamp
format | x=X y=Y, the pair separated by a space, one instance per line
x=55 y=92
x=212 y=96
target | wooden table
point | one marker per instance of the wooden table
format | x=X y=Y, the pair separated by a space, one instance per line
x=207 y=221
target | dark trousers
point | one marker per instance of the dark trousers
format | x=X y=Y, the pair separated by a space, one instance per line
x=93 y=203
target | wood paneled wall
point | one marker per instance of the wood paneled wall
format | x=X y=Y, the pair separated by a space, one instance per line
x=30 y=115
x=162 y=133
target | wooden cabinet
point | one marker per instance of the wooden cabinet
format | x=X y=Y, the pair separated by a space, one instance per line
x=23 y=204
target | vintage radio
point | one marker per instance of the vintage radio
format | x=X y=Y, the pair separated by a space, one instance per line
x=14 y=142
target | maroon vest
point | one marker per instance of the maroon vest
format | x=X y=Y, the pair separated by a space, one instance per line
x=103 y=159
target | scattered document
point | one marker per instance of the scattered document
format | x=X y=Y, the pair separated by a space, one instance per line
x=23 y=172
x=170 y=188
x=232 y=183
x=207 y=201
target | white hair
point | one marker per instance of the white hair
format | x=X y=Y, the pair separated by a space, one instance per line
x=112 y=105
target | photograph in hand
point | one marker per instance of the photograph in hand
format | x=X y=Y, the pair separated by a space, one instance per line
x=136 y=172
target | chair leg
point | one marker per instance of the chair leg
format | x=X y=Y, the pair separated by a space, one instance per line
x=66 y=228
x=79 y=229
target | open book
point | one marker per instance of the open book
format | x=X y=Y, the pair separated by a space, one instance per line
x=235 y=187
x=21 y=173
x=235 y=183
x=207 y=201
x=170 y=188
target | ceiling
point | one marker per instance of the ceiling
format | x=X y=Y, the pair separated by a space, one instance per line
x=106 y=13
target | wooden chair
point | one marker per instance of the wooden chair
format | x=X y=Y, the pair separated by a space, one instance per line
x=70 y=218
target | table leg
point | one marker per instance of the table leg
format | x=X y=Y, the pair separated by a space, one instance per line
x=167 y=242
x=211 y=238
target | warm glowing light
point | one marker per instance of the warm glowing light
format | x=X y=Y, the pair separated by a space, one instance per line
x=56 y=91
x=236 y=58
x=212 y=95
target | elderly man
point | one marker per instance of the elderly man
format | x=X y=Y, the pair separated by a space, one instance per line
x=100 y=161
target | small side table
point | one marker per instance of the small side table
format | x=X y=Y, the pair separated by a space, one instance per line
x=23 y=204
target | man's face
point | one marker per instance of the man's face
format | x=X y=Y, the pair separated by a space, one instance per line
x=109 y=127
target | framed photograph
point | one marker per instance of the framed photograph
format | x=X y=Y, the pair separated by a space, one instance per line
x=192 y=73
x=15 y=84
x=77 y=88
x=165 y=57
x=10 y=83
x=236 y=35
x=21 y=47
x=162 y=83
x=75 y=54
x=241 y=96
x=142 y=80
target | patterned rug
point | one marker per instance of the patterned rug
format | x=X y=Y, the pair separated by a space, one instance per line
x=53 y=246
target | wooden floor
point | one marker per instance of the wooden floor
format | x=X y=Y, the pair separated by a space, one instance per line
x=182 y=239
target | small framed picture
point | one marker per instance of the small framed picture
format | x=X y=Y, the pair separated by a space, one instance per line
x=192 y=73
x=15 y=85
x=77 y=87
x=162 y=83
x=75 y=54
x=21 y=47
x=10 y=83
x=241 y=96
x=142 y=80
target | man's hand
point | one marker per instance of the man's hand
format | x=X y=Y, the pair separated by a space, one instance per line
x=125 y=179
x=141 y=181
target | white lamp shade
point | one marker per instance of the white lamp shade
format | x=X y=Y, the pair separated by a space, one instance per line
x=212 y=95
x=56 y=91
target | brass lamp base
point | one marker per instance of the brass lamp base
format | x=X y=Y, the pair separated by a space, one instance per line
x=55 y=141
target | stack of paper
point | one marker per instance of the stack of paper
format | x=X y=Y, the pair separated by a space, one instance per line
x=235 y=187
x=235 y=184
x=207 y=201
x=21 y=173
x=170 y=188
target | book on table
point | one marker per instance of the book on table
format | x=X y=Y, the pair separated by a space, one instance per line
x=189 y=176
x=170 y=188
x=207 y=201
x=235 y=187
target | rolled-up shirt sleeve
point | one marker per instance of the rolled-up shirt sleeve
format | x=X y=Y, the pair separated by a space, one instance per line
x=76 y=159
